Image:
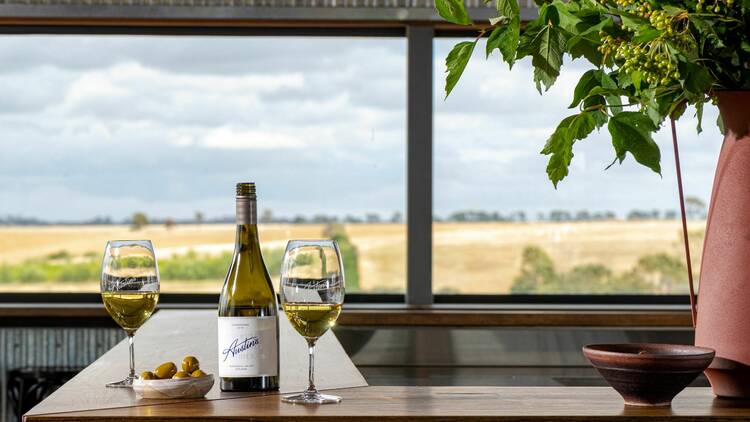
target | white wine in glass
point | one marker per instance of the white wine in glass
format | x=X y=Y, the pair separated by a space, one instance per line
x=312 y=292
x=130 y=290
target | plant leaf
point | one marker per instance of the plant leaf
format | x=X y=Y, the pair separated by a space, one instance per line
x=508 y=8
x=588 y=81
x=453 y=11
x=614 y=98
x=456 y=62
x=505 y=38
x=646 y=36
x=697 y=79
x=631 y=132
x=559 y=146
x=548 y=56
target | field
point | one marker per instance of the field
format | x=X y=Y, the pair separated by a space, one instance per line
x=467 y=258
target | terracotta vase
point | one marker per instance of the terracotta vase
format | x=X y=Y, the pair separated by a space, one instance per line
x=723 y=322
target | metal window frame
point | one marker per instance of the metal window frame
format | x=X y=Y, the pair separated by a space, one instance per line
x=420 y=38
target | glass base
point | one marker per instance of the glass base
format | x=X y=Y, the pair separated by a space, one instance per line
x=126 y=383
x=311 y=397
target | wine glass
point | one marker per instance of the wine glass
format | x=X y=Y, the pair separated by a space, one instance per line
x=312 y=292
x=130 y=289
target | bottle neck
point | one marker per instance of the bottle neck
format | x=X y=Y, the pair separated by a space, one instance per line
x=246 y=211
x=247 y=225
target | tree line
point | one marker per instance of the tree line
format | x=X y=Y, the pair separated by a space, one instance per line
x=695 y=208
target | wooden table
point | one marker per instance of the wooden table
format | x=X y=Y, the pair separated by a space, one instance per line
x=434 y=404
x=172 y=334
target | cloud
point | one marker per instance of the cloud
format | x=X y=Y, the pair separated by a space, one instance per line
x=231 y=138
x=107 y=125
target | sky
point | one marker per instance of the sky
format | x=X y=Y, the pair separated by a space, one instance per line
x=109 y=125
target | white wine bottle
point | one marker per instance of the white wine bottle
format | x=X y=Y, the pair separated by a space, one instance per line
x=248 y=314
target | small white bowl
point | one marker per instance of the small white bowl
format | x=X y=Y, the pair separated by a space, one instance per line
x=181 y=388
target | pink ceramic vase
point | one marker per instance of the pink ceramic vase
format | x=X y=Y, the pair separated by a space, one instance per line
x=723 y=322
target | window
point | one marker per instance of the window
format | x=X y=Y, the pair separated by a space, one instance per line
x=501 y=227
x=108 y=137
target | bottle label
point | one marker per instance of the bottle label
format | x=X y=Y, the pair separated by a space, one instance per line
x=248 y=347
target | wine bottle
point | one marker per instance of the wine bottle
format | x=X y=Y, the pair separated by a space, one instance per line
x=248 y=314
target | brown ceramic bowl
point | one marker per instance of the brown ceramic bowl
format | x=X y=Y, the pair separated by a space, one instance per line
x=647 y=374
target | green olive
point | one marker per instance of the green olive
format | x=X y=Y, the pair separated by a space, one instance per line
x=181 y=374
x=198 y=373
x=148 y=375
x=190 y=364
x=165 y=370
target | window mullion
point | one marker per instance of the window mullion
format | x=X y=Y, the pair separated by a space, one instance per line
x=419 y=165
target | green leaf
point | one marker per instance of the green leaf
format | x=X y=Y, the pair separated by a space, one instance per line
x=720 y=124
x=559 y=146
x=548 y=57
x=588 y=81
x=585 y=40
x=566 y=20
x=698 y=80
x=453 y=11
x=613 y=99
x=699 y=116
x=508 y=8
x=505 y=38
x=646 y=36
x=456 y=62
x=632 y=21
x=672 y=10
x=631 y=132
x=581 y=125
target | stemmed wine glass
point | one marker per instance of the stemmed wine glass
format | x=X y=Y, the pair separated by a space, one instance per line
x=130 y=289
x=312 y=292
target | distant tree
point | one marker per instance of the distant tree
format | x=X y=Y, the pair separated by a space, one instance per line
x=559 y=215
x=695 y=208
x=372 y=218
x=643 y=215
x=583 y=215
x=138 y=220
x=198 y=217
x=299 y=219
x=169 y=223
x=670 y=215
x=352 y=219
x=397 y=217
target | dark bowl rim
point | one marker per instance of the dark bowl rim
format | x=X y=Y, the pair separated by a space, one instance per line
x=700 y=351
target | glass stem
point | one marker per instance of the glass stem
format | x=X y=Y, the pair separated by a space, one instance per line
x=131 y=341
x=311 y=354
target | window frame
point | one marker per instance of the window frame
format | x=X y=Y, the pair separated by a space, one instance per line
x=420 y=38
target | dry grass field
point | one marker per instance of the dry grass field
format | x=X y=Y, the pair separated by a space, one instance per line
x=468 y=257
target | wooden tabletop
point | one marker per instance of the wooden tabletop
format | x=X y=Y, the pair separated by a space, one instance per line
x=171 y=335
x=434 y=404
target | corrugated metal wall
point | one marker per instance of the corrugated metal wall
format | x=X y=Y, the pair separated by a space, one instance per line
x=51 y=347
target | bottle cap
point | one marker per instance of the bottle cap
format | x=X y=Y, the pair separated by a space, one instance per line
x=246 y=190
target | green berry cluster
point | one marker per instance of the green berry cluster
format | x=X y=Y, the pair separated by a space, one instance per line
x=655 y=68
x=723 y=7
x=639 y=7
x=661 y=20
